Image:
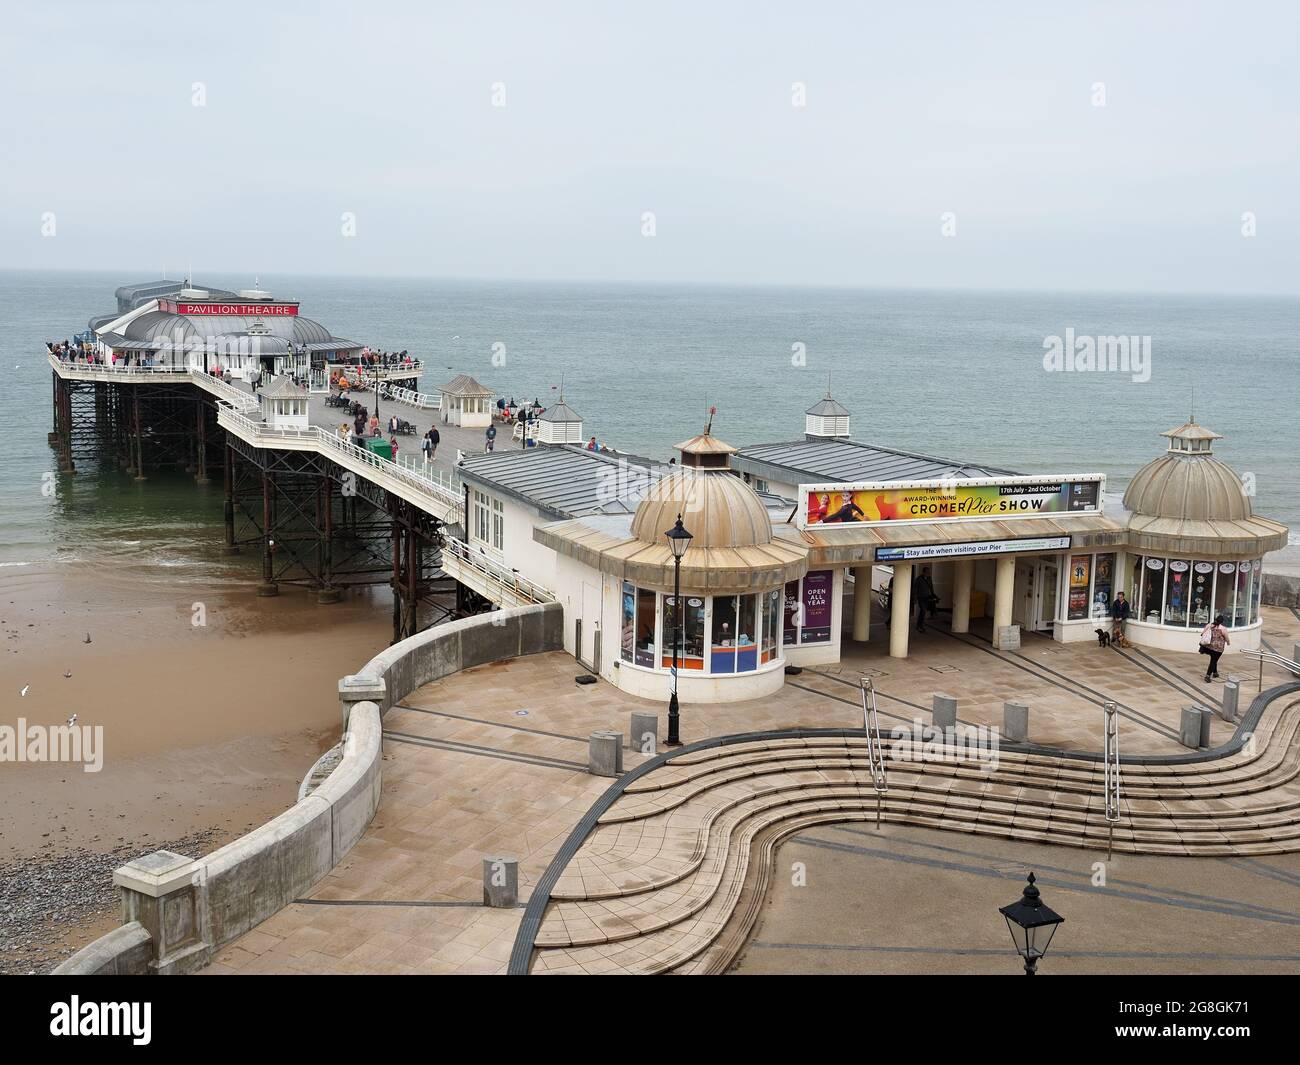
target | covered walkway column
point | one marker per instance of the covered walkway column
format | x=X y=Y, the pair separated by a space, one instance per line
x=963 y=576
x=900 y=609
x=1003 y=593
x=862 y=603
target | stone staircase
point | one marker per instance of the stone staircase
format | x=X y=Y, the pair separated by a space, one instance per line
x=672 y=876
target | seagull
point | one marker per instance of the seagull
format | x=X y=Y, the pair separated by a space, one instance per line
x=72 y=720
x=87 y=639
x=24 y=691
x=67 y=672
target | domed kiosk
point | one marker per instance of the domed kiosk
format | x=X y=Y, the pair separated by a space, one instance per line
x=730 y=614
x=1195 y=548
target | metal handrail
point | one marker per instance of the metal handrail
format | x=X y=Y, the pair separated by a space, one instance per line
x=101 y=369
x=232 y=395
x=1274 y=659
x=875 y=752
x=502 y=575
x=315 y=434
x=1110 y=776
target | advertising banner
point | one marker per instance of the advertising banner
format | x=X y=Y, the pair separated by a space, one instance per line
x=923 y=501
x=978 y=547
x=818 y=587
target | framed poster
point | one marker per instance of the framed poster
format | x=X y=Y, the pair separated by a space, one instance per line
x=1080 y=578
x=818 y=587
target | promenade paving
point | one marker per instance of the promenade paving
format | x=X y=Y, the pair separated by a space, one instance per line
x=855 y=908
x=492 y=761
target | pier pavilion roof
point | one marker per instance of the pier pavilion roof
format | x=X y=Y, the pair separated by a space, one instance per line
x=841 y=459
x=732 y=547
x=565 y=480
x=143 y=323
x=1187 y=502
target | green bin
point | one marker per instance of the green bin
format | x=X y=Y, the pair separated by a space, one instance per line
x=380 y=447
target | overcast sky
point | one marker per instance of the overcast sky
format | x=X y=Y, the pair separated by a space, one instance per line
x=687 y=110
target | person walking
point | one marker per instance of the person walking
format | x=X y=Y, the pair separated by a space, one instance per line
x=1214 y=638
x=435 y=438
x=491 y=436
x=923 y=594
x=426 y=446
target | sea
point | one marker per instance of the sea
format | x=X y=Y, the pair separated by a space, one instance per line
x=952 y=374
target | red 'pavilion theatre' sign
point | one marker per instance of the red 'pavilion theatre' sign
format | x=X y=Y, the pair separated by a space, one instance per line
x=247 y=310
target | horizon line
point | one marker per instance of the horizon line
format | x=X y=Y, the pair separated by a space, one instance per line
x=688 y=283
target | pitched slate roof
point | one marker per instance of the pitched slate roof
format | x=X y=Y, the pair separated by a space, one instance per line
x=464 y=385
x=566 y=481
x=840 y=459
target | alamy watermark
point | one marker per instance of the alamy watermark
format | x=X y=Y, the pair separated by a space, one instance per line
x=954 y=745
x=1087 y=354
x=53 y=743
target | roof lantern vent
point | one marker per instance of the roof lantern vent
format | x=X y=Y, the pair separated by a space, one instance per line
x=826 y=419
x=707 y=452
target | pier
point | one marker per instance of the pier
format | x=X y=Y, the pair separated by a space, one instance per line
x=320 y=511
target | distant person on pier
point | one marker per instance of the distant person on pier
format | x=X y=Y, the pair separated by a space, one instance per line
x=435 y=438
x=392 y=425
x=374 y=425
x=426 y=446
x=591 y=445
x=491 y=437
x=392 y=443
x=923 y=594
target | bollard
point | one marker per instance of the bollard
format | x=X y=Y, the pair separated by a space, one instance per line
x=643 y=735
x=1207 y=715
x=500 y=881
x=945 y=711
x=1231 y=695
x=1189 y=727
x=1015 y=721
x=1007 y=637
x=605 y=753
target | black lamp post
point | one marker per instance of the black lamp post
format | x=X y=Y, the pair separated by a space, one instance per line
x=1032 y=925
x=678 y=541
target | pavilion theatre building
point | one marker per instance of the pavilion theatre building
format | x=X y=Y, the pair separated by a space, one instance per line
x=793 y=542
x=176 y=325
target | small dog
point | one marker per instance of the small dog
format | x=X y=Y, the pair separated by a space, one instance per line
x=1103 y=637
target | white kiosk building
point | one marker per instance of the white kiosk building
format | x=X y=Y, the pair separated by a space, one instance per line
x=466 y=403
x=284 y=404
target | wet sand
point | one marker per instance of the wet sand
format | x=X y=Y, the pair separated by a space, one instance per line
x=207 y=729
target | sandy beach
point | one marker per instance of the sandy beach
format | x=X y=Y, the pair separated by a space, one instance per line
x=207 y=729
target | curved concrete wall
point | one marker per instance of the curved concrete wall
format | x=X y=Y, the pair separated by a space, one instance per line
x=180 y=911
x=447 y=649
x=245 y=882
x=121 y=952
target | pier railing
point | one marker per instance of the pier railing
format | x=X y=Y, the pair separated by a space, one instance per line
x=237 y=398
x=431 y=483
x=422 y=400
x=503 y=576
